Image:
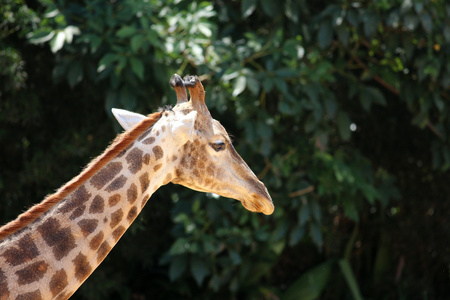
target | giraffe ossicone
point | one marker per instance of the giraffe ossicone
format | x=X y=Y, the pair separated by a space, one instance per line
x=51 y=249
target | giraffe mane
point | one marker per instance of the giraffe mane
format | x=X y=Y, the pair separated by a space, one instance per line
x=120 y=143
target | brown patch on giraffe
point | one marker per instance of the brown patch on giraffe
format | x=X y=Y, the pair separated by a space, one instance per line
x=174 y=158
x=116 y=217
x=144 y=200
x=179 y=173
x=75 y=200
x=122 y=142
x=145 y=181
x=157 y=133
x=32 y=272
x=106 y=174
x=59 y=239
x=144 y=135
x=79 y=211
x=158 y=151
x=114 y=199
x=4 y=291
x=25 y=251
x=82 y=267
x=201 y=164
x=146 y=158
x=132 y=214
x=103 y=251
x=96 y=241
x=116 y=184
x=149 y=141
x=88 y=226
x=134 y=160
x=167 y=179
x=210 y=170
x=132 y=193
x=97 y=205
x=35 y=295
x=58 y=282
x=163 y=128
x=157 y=167
x=116 y=234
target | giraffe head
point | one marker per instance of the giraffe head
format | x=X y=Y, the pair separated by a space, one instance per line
x=207 y=160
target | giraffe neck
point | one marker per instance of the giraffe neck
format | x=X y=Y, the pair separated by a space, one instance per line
x=53 y=255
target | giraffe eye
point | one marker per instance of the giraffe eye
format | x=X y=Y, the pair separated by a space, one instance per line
x=218 y=146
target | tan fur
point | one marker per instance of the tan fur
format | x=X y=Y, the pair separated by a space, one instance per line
x=118 y=145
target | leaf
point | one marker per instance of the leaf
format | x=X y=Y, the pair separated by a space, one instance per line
x=137 y=42
x=106 y=61
x=205 y=29
x=75 y=74
x=350 y=278
x=303 y=215
x=316 y=234
x=410 y=21
x=271 y=8
x=199 y=269
x=343 y=34
x=137 y=66
x=343 y=123
x=427 y=22
x=253 y=86
x=57 y=42
x=239 y=85
x=40 y=37
x=296 y=234
x=325 y=34
x=70 y=31
x=126 y=31
x=177 y=267
x=350 y=210
x=311 y=284
x=247 y=8
x=370 y=23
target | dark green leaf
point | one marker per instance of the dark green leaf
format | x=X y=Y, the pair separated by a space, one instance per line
x=343 y=123
x=311 y=284
x=177 y=266
x=325 y=34
x=349 y=276
x=199 y=269
x=75 y=74
x=138 y=67
x=126 y=31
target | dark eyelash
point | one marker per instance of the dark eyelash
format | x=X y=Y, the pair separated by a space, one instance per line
x=218 y=146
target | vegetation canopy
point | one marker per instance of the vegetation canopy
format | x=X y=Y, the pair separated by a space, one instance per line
x=341 y=107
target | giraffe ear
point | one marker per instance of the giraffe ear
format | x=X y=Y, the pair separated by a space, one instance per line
x=127 y=119
x=182 y=128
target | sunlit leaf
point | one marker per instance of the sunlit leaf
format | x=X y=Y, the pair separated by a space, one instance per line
x=247 y=7
x=239 y=85
x=57 y=42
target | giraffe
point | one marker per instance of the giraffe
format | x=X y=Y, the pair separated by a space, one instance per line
x=51 y=249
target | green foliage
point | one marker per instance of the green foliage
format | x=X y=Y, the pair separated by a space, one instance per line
x=340 y=107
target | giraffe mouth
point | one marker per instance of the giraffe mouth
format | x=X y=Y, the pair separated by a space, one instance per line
x=258 y=204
